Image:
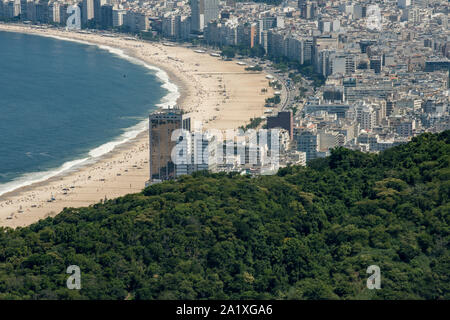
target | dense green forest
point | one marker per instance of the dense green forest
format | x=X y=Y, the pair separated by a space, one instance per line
x=305 y=233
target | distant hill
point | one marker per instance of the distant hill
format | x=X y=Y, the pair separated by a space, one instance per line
x=305 y=233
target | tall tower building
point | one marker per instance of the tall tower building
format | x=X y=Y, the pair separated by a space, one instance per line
x=118 y=16
x=202 y=12
x=15 y=8
x=87 y=11
x=106 y=20
x=63 y=16
x=308 y=10
x=42 y=11
x=308 y=142
x=284 y=120
x=211 y=10
x=403 y=3
x=31 y=11
x=198 y=15
x=23 y=9
x=97 y=12
x=162 y=125
x=54 y=12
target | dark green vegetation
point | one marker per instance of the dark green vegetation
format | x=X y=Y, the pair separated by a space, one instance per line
x=254 y=68
x=275 y=84
x=254 y=123
x=306 y=233
x=148 y=36
x=296 y=78
x=275 y=99
x=232 y=51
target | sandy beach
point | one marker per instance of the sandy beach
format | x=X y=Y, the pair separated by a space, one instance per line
x=220 y=94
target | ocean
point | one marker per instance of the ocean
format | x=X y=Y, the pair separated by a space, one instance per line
x=65 y=103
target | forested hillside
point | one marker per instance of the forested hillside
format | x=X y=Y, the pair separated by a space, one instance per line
x=306 y=233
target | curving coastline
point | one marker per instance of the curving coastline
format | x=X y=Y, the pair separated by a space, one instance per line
x=219 y=94
x=130 y=133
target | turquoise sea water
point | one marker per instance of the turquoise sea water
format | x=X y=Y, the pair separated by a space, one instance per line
x=62 y=101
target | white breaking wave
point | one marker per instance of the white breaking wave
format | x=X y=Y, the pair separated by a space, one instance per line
x=35 y=177
x=168 y=100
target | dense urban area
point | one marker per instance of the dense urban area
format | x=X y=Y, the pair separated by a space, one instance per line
x=367 y=75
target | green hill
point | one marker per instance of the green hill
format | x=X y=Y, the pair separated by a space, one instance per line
x=306 y=233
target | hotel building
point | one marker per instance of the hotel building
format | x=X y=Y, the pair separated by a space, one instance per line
x=162 y=125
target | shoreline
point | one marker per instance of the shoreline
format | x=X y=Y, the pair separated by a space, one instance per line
x=110 y=154
x=90 y=159
x=124 y=169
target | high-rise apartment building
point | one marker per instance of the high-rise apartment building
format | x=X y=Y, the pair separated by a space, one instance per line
x=308 y=10
x=118 y=16
x=198 y=152
x=136 y=21
x=171 y=26
x=106 y=20
x=162 y=125
x=202 y=12
x=366 y=117
x=54 y=12
x=87 y=11
x=376 y=64
x=211 y=10
x=284 y=120
x=403 y=3
x=308 y=141
x=23 y=9
x=42 y=11
x=97 y=12
x=31 y=11
x=63 y=15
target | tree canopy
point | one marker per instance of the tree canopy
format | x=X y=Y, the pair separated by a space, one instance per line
x=305 y=233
